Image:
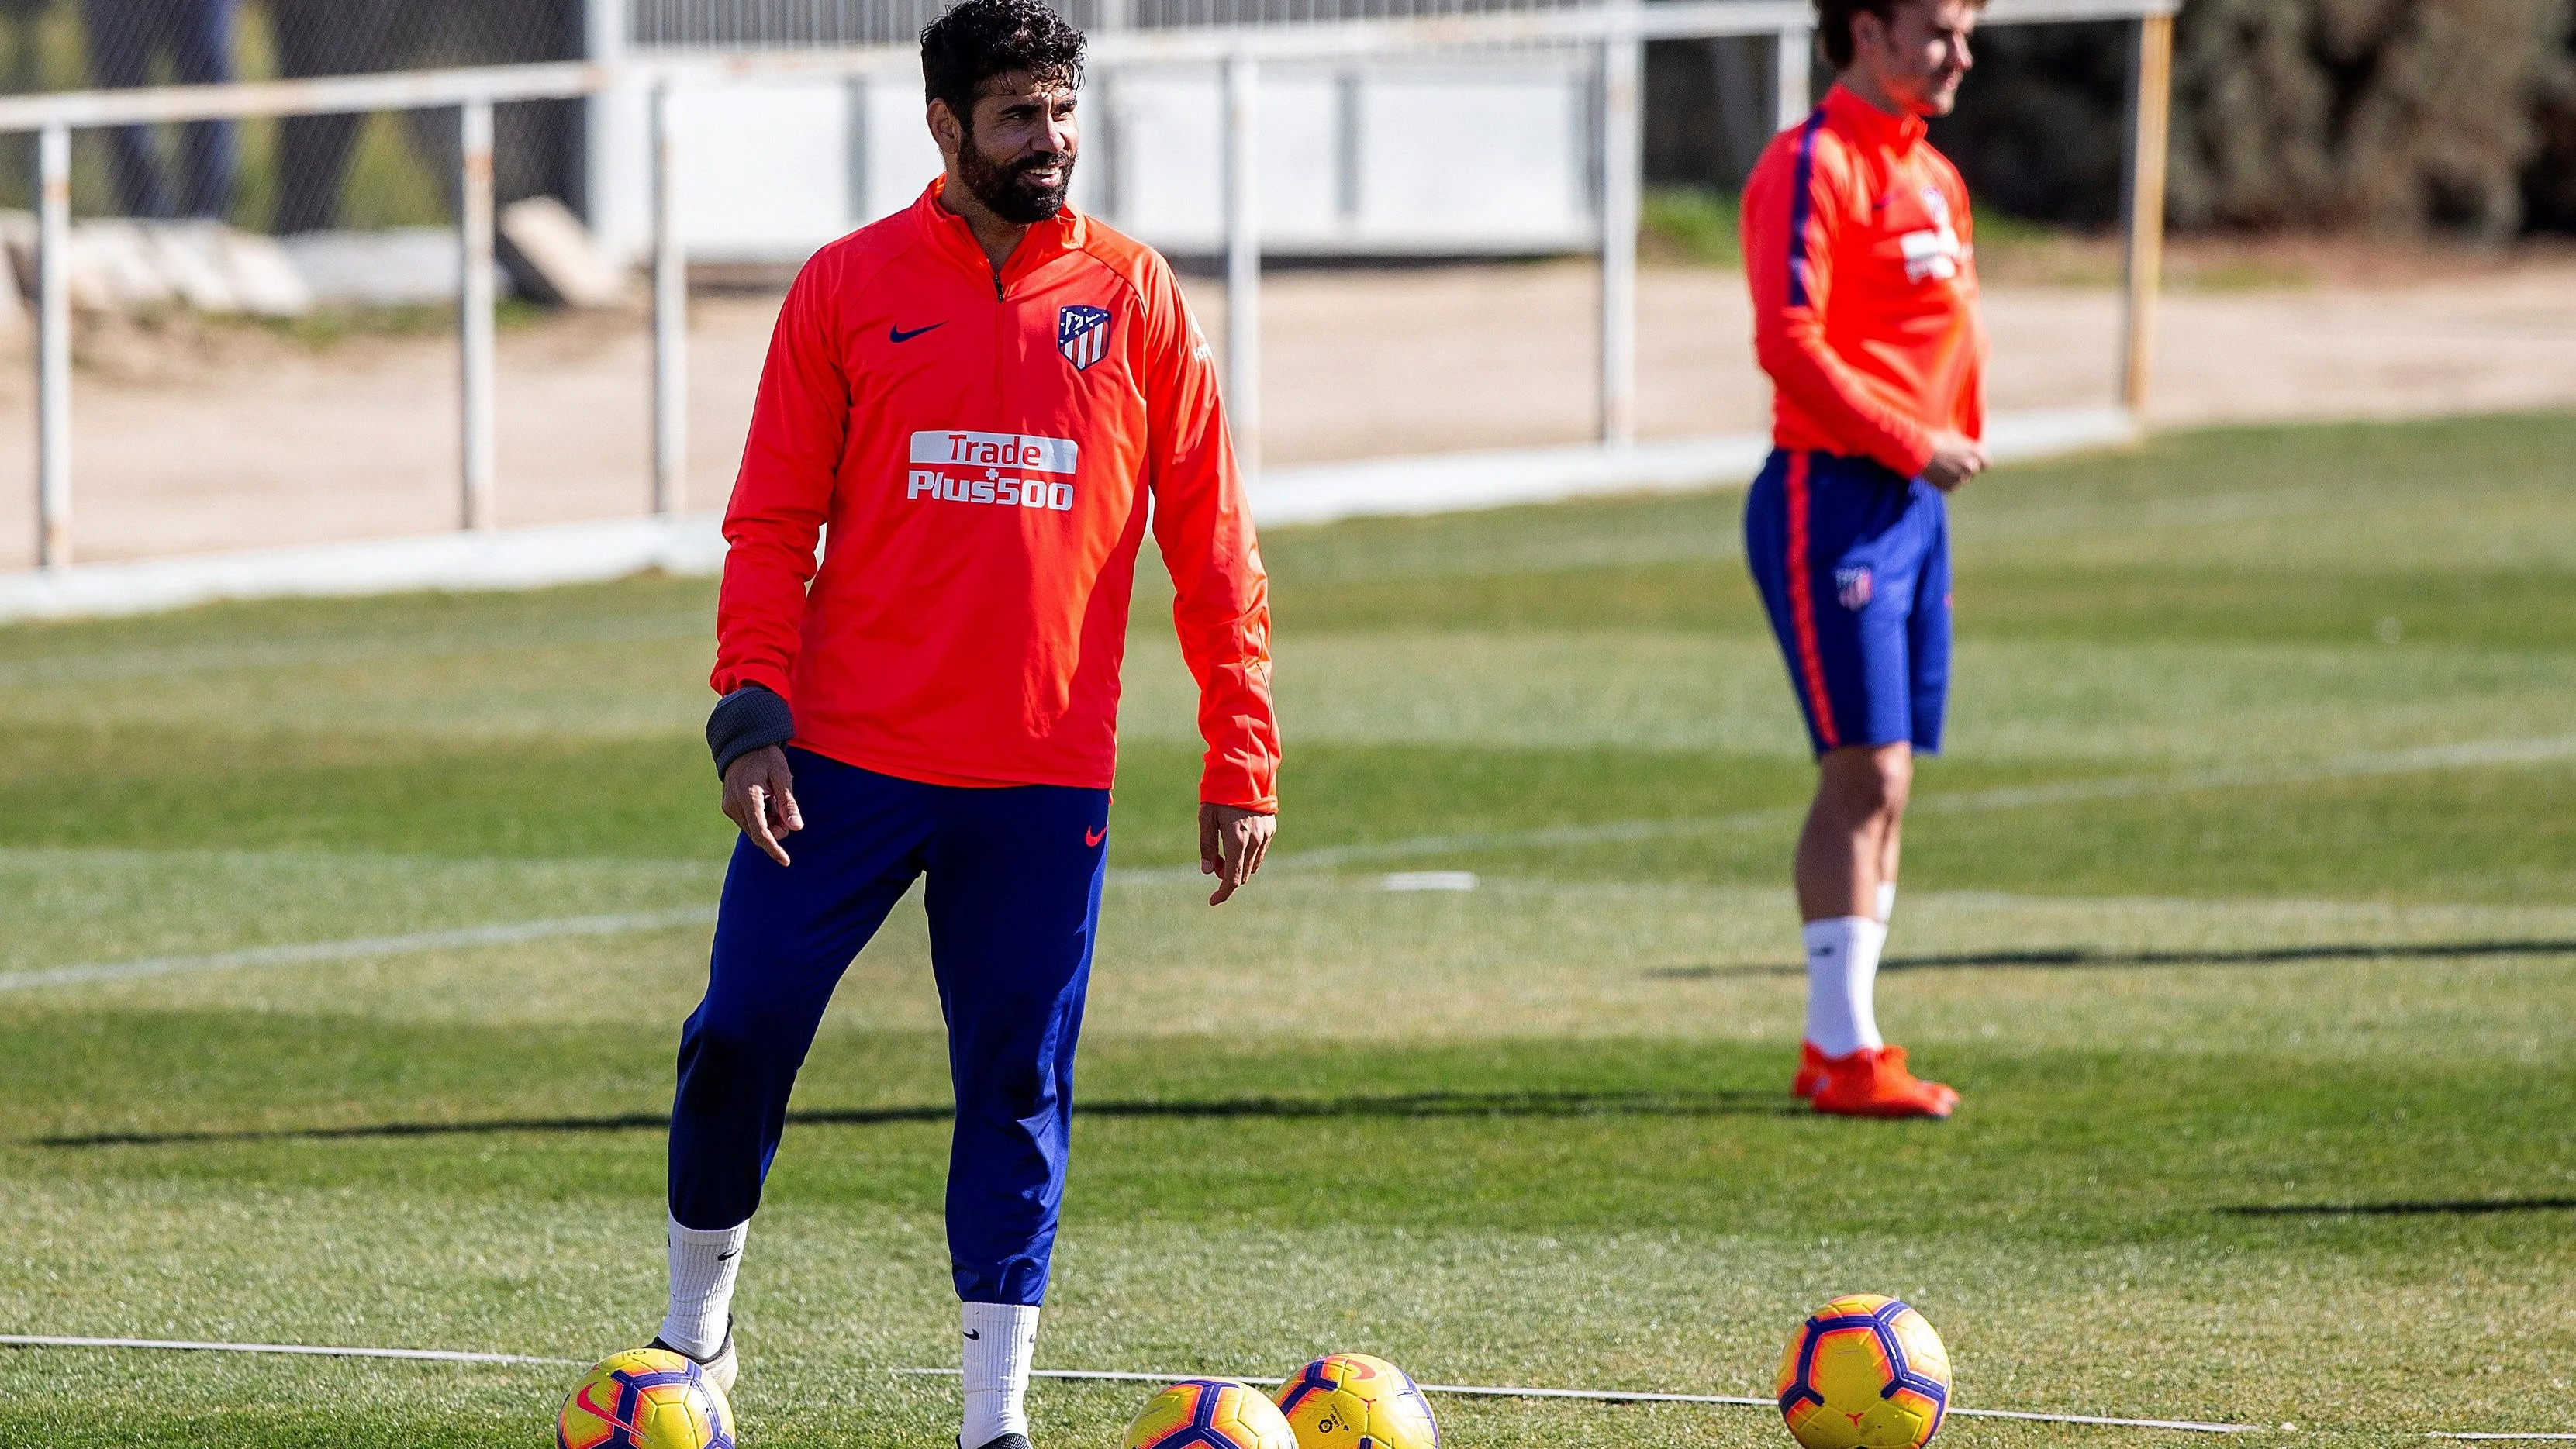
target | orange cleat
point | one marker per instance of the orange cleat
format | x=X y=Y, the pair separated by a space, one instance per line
x=1811 y=1069
x=1875 y=1083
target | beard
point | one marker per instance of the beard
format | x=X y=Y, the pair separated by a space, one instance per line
x=1006 y=187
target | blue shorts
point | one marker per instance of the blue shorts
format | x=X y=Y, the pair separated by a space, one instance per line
x=1014 y=906
x=1854 y=567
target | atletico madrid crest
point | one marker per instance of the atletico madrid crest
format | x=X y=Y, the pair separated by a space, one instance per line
x=1082 y=335
x=1852 y=585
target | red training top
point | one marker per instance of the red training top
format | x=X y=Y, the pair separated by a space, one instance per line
x=983 y=449
x=1857 y=246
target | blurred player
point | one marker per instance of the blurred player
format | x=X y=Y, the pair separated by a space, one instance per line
x=1856 y=245
x=979 y=397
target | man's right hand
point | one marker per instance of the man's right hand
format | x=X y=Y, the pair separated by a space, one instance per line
x=760 y=796
x=1955 y=460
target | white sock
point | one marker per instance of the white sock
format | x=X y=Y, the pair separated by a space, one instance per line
x=1842 y=975
x=1886 y=901
x=703 y=1262
x=1000 y=1337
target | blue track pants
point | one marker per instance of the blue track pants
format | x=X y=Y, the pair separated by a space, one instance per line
x=1014 y=906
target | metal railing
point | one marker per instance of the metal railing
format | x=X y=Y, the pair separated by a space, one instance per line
x=1617 y=28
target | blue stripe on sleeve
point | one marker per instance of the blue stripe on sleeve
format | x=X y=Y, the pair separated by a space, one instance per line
x=1799 y=208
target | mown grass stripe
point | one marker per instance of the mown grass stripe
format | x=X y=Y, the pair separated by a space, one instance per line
x=2475 y=754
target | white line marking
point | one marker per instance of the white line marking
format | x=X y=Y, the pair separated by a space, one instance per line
x=305 y=953
x=123 y=665
x=438 y=1355
x=1620 y=1396
x=1429 y=880
x=2469 y=755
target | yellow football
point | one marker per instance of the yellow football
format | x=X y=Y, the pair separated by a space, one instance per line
x=646 y=1398
x=1210 y=1414
x=1864 y=1372
x=1353 y=1401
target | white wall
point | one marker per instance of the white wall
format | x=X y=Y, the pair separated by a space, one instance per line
x=1470 y=157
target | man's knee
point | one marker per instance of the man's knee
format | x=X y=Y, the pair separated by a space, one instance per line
x=1867 y=788
x=728 y=1045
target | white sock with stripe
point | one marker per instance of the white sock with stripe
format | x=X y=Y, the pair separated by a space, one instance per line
x=1000 y=1340
x=1842 y=980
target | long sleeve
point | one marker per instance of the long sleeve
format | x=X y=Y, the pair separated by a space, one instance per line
x=799 y=427
x=1792 y=209
x=1203 y=524
x=1973 y=404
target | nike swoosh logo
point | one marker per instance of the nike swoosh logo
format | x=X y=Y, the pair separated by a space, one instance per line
x=897 y=334
x=607 y=1415
x=971 y=1333
x=728 y=1257
x=1094 y=837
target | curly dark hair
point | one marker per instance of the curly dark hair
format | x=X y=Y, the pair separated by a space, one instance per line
x=977 y=40
x=1834 y=20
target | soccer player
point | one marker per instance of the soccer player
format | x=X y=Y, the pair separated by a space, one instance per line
x=1856 y=246
x=984 y=398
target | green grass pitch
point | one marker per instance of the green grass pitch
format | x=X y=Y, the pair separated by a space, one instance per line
x=2242 y=909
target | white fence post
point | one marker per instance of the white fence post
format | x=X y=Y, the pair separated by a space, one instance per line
x=476 y=299
x=1792 y=54
x=1622 y=165
x=670 y=317
x=54 y=346
x=2142 y=206
x=1100 y=129
x=1243 y=260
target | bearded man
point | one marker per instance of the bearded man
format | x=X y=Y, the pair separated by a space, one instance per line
x=979 y=402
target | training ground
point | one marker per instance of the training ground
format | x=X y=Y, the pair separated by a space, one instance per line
x=2243 y=910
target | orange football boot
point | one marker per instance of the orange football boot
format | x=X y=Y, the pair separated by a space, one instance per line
x=1875 y=1083
x=1811 y=1069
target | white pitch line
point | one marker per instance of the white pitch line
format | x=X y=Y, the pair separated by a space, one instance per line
x=436 y=1355
x=124 y=665
x=306 y=953
x=1622 y=1396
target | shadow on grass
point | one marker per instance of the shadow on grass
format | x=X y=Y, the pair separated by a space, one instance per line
x=2058 y=957
x=2463 y=1208
x=1405 y=1105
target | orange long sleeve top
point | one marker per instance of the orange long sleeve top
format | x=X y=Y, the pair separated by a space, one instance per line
x=1859 y=252
x=979 y=455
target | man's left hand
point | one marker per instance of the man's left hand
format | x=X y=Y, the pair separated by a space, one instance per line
x=1231 y=844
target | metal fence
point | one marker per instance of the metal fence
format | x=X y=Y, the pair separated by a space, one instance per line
x=784 y=24
x=468 y=100
x=293 y=173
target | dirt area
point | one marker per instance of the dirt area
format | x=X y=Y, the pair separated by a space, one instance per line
x=190 y=436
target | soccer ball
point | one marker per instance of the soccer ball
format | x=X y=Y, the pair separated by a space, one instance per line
x=646 y=1398
x=1353 y=1401
x=1210 y=1414
x=1864 y=1372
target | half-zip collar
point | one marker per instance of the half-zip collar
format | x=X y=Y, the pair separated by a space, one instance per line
x=948 y=234
x=1856 y=117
